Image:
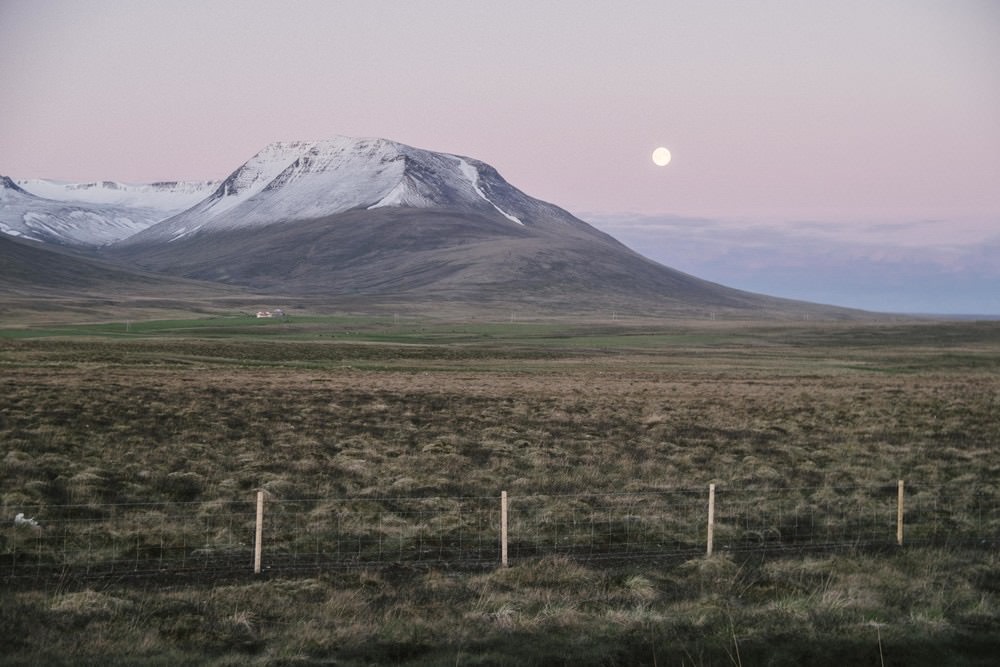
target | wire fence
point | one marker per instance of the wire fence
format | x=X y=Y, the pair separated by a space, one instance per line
x=220 y=537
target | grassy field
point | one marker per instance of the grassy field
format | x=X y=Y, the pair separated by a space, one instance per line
x=205 y=412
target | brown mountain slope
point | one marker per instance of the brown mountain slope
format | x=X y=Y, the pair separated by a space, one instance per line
x=42 y=280
x=410 y=254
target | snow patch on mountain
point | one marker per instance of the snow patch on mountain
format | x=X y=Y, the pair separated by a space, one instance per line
x=164 y=197
x=472 y=174
x=401 y=195
x=10 y=231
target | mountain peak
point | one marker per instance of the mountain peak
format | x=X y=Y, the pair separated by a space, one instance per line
x=304 y=180
x=7 y=184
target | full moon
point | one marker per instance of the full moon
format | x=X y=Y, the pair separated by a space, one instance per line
x=661 y=157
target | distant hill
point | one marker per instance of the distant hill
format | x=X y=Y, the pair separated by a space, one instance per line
x=38 y=278
x=26 y=265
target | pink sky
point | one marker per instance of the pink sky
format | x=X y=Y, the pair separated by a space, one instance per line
x=841 y=110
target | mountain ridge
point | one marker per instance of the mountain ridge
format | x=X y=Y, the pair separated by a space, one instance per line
x=316 y=179
x=26 y=215
x=90 y=214
x=169 y=197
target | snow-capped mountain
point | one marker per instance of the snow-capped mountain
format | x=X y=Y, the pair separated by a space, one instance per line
x=28 y=216
x=377 y=217
x=90 y=214
x=304 y=180
x=363 y=221
x=286 y=181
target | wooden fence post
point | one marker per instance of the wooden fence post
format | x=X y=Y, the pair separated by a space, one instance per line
x=899 y=513
x=259 y=533
x=711 y=519
x=503 y=529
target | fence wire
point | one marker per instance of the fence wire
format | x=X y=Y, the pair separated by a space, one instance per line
x=359 y=531
x=140 y=538
x=462 y=531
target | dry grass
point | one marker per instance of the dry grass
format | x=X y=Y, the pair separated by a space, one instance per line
x=802 y=415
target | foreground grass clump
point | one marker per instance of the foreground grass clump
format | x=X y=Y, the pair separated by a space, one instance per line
x=840 y=609
x=788 y=420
